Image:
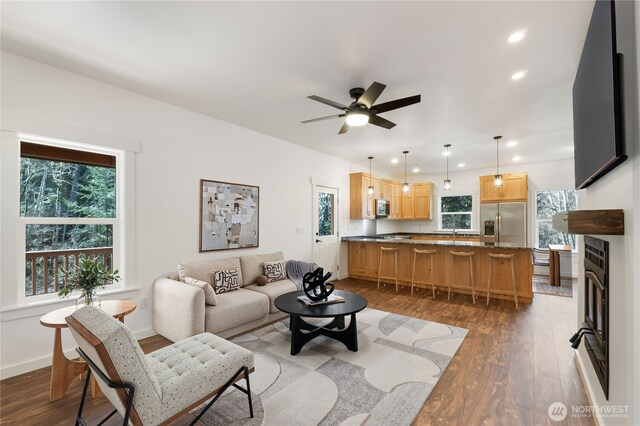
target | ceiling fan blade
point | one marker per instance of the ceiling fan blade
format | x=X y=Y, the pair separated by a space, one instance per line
x=344 y=129
x=382 y=122
x=328 y=102
x=398 y=103
x=371 y=94
x=323 y=118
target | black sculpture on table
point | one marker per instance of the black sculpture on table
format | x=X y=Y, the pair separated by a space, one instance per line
x=315 y=285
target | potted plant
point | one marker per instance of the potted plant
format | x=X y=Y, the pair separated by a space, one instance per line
x=90 y=275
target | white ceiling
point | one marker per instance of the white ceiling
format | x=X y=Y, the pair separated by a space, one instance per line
x=254 y=64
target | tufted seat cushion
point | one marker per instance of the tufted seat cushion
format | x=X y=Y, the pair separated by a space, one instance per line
x=192 y=368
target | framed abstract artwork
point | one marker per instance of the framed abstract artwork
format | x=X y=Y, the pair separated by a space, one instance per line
x=228 y=215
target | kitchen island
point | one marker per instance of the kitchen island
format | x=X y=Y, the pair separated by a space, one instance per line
x=364 y=255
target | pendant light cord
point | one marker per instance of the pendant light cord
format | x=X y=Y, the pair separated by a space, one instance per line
x=447 y=165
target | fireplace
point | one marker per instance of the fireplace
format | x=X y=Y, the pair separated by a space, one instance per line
x=596 y=310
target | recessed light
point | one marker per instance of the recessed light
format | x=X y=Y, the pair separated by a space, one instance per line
x=518 y=75
x=461 y=165
x=517 y=158
x=394 y=161
x=415 y=169
x=512 y=143
x=516 y=37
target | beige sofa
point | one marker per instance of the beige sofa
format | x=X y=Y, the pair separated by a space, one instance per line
x=179 y=310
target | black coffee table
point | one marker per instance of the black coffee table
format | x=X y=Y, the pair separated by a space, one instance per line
x=354 y=303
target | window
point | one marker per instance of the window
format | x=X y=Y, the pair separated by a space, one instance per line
x=548 y=203
x=325 y=214
x=68 y=205
x=456 y=212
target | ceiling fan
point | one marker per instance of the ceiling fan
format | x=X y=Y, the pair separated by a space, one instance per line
x=362 y=110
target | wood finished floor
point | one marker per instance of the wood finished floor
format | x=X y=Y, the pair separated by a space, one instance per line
x=511 y=366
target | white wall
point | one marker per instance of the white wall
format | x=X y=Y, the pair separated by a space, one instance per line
x=179 y=147
x=620 y=189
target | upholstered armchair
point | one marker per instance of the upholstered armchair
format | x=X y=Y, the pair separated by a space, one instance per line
x=163 y=385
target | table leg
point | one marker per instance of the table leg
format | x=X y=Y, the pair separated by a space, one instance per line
x=63 y=370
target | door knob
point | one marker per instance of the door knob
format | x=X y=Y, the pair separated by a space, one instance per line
x=318 y=241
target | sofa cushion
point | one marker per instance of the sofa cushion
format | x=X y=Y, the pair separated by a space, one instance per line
x=273 y=290
x=226 y=280
x=252 y=266
x=203 y=270
x=235 y=308
x=209 y=294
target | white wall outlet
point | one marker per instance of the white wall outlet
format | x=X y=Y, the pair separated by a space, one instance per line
x=299 y=230
x=144 y=303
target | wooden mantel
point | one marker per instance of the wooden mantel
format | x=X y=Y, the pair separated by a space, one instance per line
x=590 y=222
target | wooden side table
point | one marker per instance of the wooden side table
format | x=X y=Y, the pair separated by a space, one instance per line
x=554 y=262
x=64 y=370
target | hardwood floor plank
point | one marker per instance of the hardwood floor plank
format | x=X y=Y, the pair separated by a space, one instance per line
x=511 y=366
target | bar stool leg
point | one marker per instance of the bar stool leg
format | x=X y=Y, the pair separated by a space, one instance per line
x=513 y=280
x=413 y=274
x=473 y=290
x=433 y=280
x=379 y=269
x=450 y=275
x=489 y=280
x=395 y=255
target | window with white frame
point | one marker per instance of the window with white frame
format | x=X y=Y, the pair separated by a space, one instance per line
x=68 y=206
x=549 y=203
x=456 y=212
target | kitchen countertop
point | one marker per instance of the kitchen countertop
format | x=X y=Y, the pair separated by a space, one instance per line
x=406 y=239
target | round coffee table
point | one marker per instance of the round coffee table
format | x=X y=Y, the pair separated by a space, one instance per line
x=289 y=304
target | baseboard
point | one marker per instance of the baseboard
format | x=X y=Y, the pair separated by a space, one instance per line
x=587 y=386
x=45 y=361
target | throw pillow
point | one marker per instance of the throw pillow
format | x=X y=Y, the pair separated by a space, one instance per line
x=209 y=294
x=262 y=280
x=226 y=280
x=275 y=271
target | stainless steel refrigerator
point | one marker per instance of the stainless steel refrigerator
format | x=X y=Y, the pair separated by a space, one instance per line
x=503 y=223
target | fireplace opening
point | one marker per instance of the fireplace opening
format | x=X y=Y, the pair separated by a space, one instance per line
x=595 y=328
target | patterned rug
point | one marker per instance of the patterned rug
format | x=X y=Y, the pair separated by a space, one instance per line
x=541 y=285
x=399 y=361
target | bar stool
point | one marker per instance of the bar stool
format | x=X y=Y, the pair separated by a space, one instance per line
x=493 y=256
x=389 y=250
x=469 y=255
x=431 y=254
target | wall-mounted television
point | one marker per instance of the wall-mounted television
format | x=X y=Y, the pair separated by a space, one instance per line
x=597 y=108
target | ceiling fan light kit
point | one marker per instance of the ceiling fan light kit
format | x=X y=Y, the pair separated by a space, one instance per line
x=447 y=181
x=362 y=110
x=405 y=185
x=497 y=178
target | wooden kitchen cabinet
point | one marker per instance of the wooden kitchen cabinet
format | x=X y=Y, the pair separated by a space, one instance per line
x=514 y=188
x=385 y=190
x=361 y=204
x=422 y=200
x=395 y=209
x=406 y=211
x=363 y=259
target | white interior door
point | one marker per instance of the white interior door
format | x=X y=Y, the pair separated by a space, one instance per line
x=325 y=228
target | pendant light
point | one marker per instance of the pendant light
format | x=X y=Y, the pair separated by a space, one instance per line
x=370 y=188
x=405 y=185
x=497 y=179
x=447 y=181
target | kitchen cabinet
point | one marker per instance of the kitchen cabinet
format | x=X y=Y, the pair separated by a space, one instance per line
x=514 y=188
x=361 y=204
x=385 y=189
x=406 y=211
x=363 y=259
x=422 y=200
x=395 y=209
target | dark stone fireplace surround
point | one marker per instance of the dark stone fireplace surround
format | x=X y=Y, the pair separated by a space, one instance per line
x=596 y=307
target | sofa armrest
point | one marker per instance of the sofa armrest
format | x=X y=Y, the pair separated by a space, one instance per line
x=178 y=309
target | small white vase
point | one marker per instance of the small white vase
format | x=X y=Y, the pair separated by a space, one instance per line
x=88 y=299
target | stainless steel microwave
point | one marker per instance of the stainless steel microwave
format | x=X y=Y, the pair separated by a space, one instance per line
x=382 y=208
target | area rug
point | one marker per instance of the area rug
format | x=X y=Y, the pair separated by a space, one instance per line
x=541 y=285
x=399 y=361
